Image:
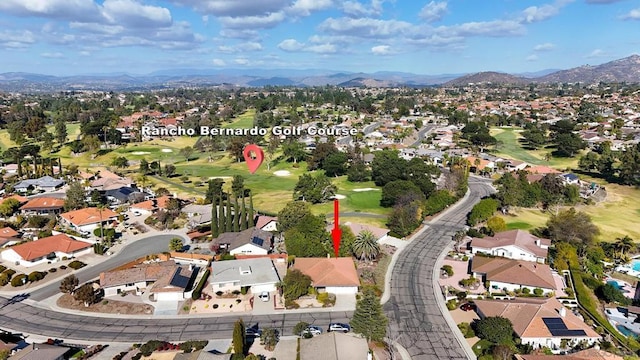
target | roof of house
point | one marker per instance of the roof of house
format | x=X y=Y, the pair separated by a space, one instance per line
x=264 y=220
x=148 y=205
x=88 y=216
x=518 y=238
x=248 y=272
x=199 y=213
x=588 y=354
x=510 y=271
x=40 y=352
x=43 y=203
x=20 y=198
x=180 y=280
x=142 y=272
x=541 y=169
x=570 y=176
x=528 y=317
x=329 y=271
x=57 y=243
x=334 y=346
x=45 y=181
x=7 y=232
x=252 y=235
x=162 y=201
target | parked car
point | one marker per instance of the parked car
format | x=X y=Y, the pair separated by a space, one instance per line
x=253 y=332
x=339 y=327
x=137 y=213
x=467 y=307
x=312 y=330
x=264 y=296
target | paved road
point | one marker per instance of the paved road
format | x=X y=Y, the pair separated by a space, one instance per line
x=414 y=316
x=28 y=319
x=423 y=133
x=150 y=245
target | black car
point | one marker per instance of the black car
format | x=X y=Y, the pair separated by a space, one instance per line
x=253 y=332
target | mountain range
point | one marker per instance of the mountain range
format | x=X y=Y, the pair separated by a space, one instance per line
x=621 y=70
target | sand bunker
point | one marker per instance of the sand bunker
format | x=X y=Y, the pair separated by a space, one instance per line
x=282 y=173
x=166 y=150
x=339 y=197
x=365 y=189
x=220 y=177
x=140 y=153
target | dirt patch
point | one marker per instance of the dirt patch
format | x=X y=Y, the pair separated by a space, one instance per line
x=105 y=306
x=373 y=272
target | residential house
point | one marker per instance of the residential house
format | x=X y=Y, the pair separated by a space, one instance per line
x=51 y=248
x=42 y=206
x=258 y=274
x=513 y=244
x=251 y=241
x=570 y=179
x=123 y=195
x=166 y=280
x=108 y=180
x=198 y=214
x=267 y=223
x=326 y=346
x=8 y=237
x=333 y=275
x=41 y=352
x=147 y=207
x=540 y=322
x=88 y=219
x=512 y=275
x=45 y=183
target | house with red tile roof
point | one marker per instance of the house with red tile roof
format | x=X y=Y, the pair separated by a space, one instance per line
x=513 y=244
x=267 y=223
x=540 y=322
x=51 y=248
x=8 y=237
x=512 y=275
x=42 y=206
x=88 y=219
x=333 y=275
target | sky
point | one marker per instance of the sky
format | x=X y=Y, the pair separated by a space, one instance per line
x=71 y=37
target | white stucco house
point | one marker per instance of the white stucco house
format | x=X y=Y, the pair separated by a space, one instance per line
x=88 y=219
x=52 y=248
x=511 y=275
x=513 y=244
x=252 y=241
x=258 y=274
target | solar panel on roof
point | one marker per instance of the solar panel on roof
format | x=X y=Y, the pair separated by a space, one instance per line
x=256 y=240
x=557 y=327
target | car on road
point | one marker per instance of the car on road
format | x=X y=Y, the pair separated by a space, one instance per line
x=312 y=330
x=468 y=307
x=339 y=327
x=264 y=296
x=253 y=332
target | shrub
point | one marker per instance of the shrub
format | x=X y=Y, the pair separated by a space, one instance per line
x=2 y=268
x=19 y=280
x=215 y=306
x=465 y=258
x=75 y=265
x=291 y=304
x=105 y=302
x=538 y=291
x=326 y=299
x=219 y=293
x=447 y=269
x=236 y=292
x=52 y=270
x=35 y=276
x=197 y=292
x=62 y=267
x=452 y=304
x=466 y=330
x=243 y=290
x=4 y=279
x=10 y=273
x=526 y=291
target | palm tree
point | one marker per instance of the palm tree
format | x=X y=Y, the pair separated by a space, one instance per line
x=624 y=244
x=365 y=246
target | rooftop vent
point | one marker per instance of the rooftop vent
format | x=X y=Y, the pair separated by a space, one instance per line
x=245 y=271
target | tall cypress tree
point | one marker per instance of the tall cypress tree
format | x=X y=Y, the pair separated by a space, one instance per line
x=215 y=231
x=239 y=339
x=229 y=223
x=251 y=214
x=59 y=167
x=236 y=214
x=244 y=224
x=222 y=220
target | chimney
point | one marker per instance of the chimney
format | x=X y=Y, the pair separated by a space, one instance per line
x=190 y=267
x=538 y=242
x=563 y=311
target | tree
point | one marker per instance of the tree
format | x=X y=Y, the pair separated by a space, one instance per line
x=237 y=185
x=502 y=352
x=358 y=171
x=60 y=128
x=495 y=329
x=405 y=218
x=292 y=213
x=69 y=284
x=294 y=151
x=565 y=257
x=295 y=284
x=335 y=164
x=169 y=170
x=308 y=238
x=300 y=327
x=365 y=246
x=176 y=244
x=496 y=224
x=86 y=294
x=369 y=319
x=623 y=244
x=215 y=229
x=567 y=145
x=574 y=227
x=320 y=153
x=269 y=338
x=186 y=151
x=214 y=190
x=75 y=197
x=482 y=211
x=9 y=206
x=239 y=338
x=314 y=189
x=387 y=166
x=121 y=162
x=395 y=189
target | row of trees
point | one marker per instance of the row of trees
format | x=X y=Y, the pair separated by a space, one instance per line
x=560 y=135
x=615 y=166
x=550 y=191
x=230 y=212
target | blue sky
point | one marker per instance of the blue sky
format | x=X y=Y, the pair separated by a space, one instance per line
x=64 y=37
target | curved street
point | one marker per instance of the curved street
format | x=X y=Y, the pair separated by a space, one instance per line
x=416 y=321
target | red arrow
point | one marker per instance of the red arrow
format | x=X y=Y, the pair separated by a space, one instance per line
x=336 y=233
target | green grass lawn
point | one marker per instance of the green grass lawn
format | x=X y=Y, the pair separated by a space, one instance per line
x=510 y=147
x=242 y=121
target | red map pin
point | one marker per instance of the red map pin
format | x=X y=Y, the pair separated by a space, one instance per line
x=253 y=156
x=336 y=233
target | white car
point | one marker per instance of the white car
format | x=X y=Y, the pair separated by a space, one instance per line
x=313 y=330
x=264 y=296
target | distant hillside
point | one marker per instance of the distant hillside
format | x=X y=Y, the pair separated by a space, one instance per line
x=368 y=82
x=488 y=77
x=621 y=70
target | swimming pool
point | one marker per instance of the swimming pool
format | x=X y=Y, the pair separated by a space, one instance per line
x=635 y=264
x=615 y=284
x=625 y=331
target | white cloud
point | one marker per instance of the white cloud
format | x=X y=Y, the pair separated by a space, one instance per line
x=596 y=53
x=495 y=28
x=290 y=45
x=539 y=13
x=381 y=50
x=243 y=47
x=357 y=9
x=306 y=7
x=321 y=49
x=253 y=22
x=241 y=61
x=236 y=8
x=131 y=13
x=433 y=11
x=602 y=1
x=75 y=10
x=533 y=57
x=544 y=47
x=54 y=55
x=205 y=19
x=85 y=53
x=16 y=39
x=245 y=34
x=632 y=15
x=365 y=27
x=218 y=62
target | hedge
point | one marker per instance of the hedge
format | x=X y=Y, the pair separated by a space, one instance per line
x=77 y=264
x=19 y=280
x=197 y=292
